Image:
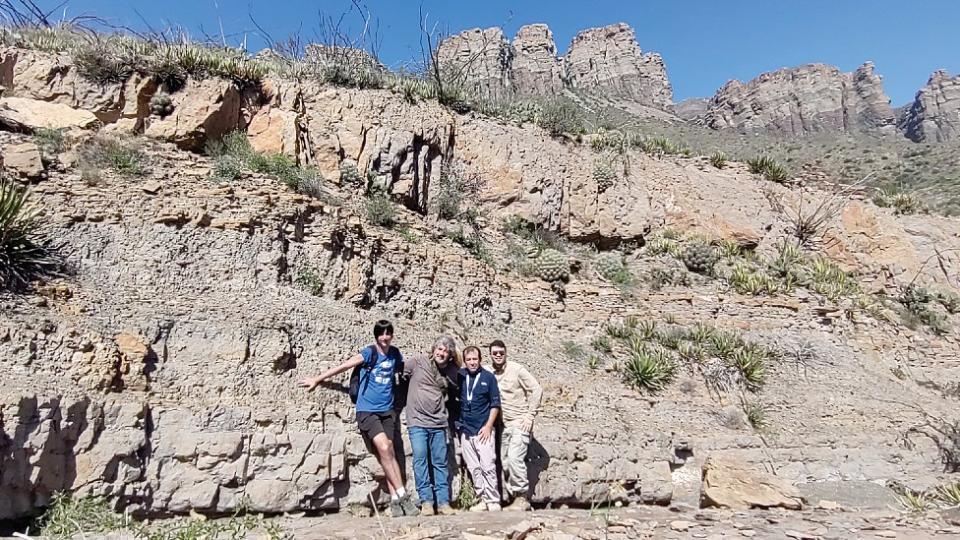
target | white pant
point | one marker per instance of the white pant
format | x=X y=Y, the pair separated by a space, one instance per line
x=514 y=448
x=481 y=461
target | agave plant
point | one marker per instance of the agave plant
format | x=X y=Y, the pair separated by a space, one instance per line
x=25 y=252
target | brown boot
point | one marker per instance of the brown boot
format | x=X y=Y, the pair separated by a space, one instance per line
x=519 y=503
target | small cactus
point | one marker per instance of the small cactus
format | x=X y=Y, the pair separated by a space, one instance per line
x=161 y=104
x=553 y=266
x=700 y=258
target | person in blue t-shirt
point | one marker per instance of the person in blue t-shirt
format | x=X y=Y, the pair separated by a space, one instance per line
x=479 y=406
x=376 y=416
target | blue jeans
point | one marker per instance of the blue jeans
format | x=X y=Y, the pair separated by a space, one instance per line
x=429 y=447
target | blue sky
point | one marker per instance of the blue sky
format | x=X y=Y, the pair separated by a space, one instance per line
x=704 y=42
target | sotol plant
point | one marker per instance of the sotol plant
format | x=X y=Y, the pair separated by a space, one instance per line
x=649 y=369
x=26 y=253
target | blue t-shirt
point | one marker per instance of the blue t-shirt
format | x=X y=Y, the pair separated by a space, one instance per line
x=478 y=394
x=377 y=378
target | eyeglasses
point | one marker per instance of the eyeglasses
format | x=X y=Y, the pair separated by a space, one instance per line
x=498 y=353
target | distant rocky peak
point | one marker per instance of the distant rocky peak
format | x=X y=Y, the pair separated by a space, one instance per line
x=804 y=99
x=607 y=61
x=934 y=115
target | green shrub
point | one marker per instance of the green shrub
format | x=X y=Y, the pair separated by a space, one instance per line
x=756 y=415
x=26 y=252
x=660 y=146
x=903 y=203
x=125 y=158
x=381 y=211
x=751 y=363
x=622 y=330
x=718 y=159
x=227 y=167
x=69 y=517
x=560 y=116
x=661 y=276
x=311 y=281
x=455 y=185
x=573 y=350
x=650 y=369
x=50 y=142
x=768 y=168
x=916 y=300
x=471 y=239
x=602 y=344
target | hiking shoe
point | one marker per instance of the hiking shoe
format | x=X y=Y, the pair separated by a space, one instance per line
x=519 y=503
x=479 y=507
x=427 y=510
x=446 y=510
x=395 y=509
x=409 y=507
x=493 y=507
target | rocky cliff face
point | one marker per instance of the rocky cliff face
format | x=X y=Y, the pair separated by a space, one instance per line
x=163 y=372
x=607 y=61
x=536 y=70
x=934 y=115
x=805 y=99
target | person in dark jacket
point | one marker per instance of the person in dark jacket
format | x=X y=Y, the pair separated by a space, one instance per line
x=479 y=407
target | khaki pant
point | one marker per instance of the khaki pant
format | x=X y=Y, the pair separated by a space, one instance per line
x=481 y=461
x=514 y=448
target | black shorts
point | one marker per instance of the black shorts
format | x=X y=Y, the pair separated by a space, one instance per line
x=373 y=423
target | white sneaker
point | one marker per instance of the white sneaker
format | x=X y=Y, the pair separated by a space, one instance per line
x=493 y=507
x=479 y=507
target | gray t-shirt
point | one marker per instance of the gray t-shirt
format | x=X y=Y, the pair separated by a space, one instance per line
x=428 y=391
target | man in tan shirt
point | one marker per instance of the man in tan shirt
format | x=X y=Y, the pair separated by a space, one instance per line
x=520 y=395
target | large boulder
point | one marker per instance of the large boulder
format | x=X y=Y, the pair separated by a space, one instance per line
x=203 y=110
x=730 y=483
x=28 y=115
x=23 y=160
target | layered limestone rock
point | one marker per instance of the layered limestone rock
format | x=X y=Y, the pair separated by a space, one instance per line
x=536 y=70
x=163 y=373
x=934 y=115
x=806 y=99
x=605 y=61
x=480 y=58
x=609 y=61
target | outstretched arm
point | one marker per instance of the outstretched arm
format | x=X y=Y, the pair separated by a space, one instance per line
x=311 y=382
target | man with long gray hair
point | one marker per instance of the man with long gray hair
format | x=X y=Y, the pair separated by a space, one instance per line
x=433 y=382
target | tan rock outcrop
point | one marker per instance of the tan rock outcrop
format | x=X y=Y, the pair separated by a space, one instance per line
x=480 y=58
x=804 y=99
x=24 y=114
x=934 y=115
x=535 y=69
x=730 y=483
x=23 y=160
x=203 y=110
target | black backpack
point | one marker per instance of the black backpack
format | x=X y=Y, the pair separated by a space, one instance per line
x=355 y=384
